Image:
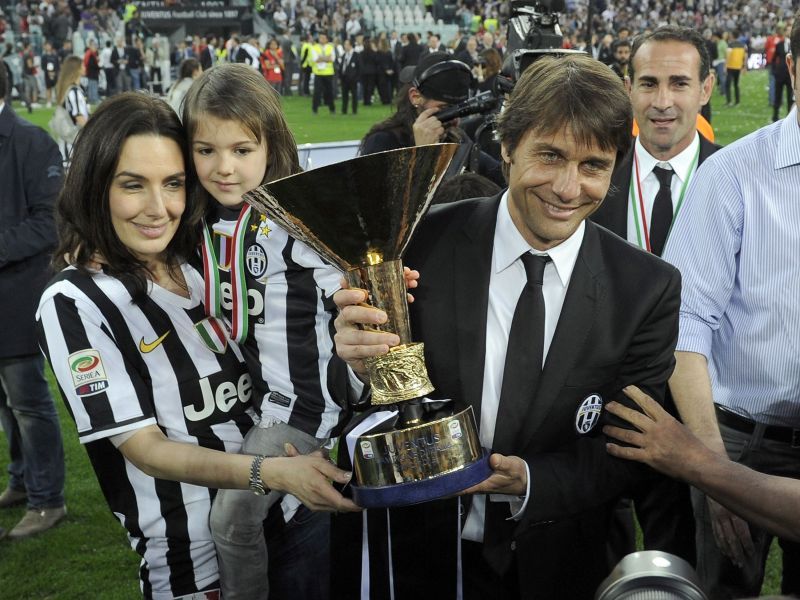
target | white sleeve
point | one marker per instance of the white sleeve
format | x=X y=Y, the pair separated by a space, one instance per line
x=104 y=393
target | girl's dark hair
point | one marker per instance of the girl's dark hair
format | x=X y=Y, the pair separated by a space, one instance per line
x=83 y=214
x=236 y=92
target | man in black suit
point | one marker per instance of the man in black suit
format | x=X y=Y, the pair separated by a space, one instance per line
x=349 y=68
x=30 y=169
x=534 y=317
x=670 y=80
x=208 y=54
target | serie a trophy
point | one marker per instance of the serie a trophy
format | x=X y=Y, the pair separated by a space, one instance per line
x=360 y=215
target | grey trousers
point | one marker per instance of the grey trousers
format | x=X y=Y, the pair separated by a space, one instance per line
x=237 y=517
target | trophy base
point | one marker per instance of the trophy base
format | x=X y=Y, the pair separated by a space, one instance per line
x=416 y=492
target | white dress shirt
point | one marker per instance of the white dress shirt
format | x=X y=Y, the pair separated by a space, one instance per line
x=506 y=283
x=681 y=166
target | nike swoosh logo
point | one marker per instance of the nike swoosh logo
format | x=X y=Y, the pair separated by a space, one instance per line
x=146 y=347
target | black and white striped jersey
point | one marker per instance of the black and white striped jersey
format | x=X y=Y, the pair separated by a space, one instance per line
x=289 y=350
x=75 y=103
x=122 y=366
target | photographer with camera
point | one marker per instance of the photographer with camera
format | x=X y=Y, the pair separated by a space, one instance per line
x=431 y=86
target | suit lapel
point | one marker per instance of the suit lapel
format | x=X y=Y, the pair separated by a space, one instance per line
x=706 y=149
x=472 y=270
x=578 y=317
x=613 y=213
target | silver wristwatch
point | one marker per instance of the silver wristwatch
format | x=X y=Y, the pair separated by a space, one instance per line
x=256 y=484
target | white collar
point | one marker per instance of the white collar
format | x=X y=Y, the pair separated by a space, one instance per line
x=509 y=245
x=680 y=163
x=2 y=106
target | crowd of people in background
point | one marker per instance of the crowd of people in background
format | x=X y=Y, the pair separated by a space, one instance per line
x=227 y=135
x=120 y=52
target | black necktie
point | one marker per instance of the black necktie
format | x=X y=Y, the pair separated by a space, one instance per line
x=662 y=211
x=521 y=373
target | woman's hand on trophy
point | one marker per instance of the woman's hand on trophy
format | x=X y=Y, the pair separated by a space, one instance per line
x=352 y=343
x=308 y=477
x=510 y=477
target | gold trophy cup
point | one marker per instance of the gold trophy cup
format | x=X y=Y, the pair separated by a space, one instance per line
x=360 y=215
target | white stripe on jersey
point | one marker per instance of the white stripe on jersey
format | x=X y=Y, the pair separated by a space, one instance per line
x=268 y=351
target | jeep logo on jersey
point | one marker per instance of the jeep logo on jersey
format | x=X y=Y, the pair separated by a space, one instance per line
x=256 y=261
x=87 y=371
x=255 y=300
x=223 y=398
x=588 y=414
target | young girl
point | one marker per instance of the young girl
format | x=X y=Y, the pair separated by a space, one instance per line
x=159 y=405
x=275 y=294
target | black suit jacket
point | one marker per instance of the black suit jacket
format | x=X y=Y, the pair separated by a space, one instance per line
x=31 y=176
x=206 y=60
x=618 y=326
x=779 y=67
x=350 y=70
x=613 y=212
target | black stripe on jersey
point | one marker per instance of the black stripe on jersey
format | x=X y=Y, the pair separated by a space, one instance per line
x=301 y=338
x=176 y=532
x=112 y=474
x=46 y=351
x=169 y=493
x=144 y=572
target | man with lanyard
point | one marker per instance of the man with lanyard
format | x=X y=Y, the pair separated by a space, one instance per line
x=322 y=64
x=670 y=80
x=737 y=376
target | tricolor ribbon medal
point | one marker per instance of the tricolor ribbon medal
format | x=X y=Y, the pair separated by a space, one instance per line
x=238 y=320
x=638 y=204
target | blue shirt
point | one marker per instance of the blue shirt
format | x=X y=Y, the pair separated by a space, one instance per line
x=736 y=242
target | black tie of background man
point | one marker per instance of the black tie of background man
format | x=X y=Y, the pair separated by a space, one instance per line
x=521 y=372
x=662 y=211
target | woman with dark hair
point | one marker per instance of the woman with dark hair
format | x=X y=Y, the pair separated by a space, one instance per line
x=410 y=54
x=386 y=70
x=158 y=391
x=369 y=70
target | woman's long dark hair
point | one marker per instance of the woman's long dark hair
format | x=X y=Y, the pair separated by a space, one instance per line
x=83 y=215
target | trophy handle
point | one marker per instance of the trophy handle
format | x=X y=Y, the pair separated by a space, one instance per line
x=386 y=287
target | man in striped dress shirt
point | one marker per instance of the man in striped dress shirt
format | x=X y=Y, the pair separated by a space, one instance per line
x=737 y=378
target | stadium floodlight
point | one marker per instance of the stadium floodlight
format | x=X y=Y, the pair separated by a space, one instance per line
x=651 y=575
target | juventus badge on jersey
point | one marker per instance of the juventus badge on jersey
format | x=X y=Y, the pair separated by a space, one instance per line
x=588 y=414
x=256 y=261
